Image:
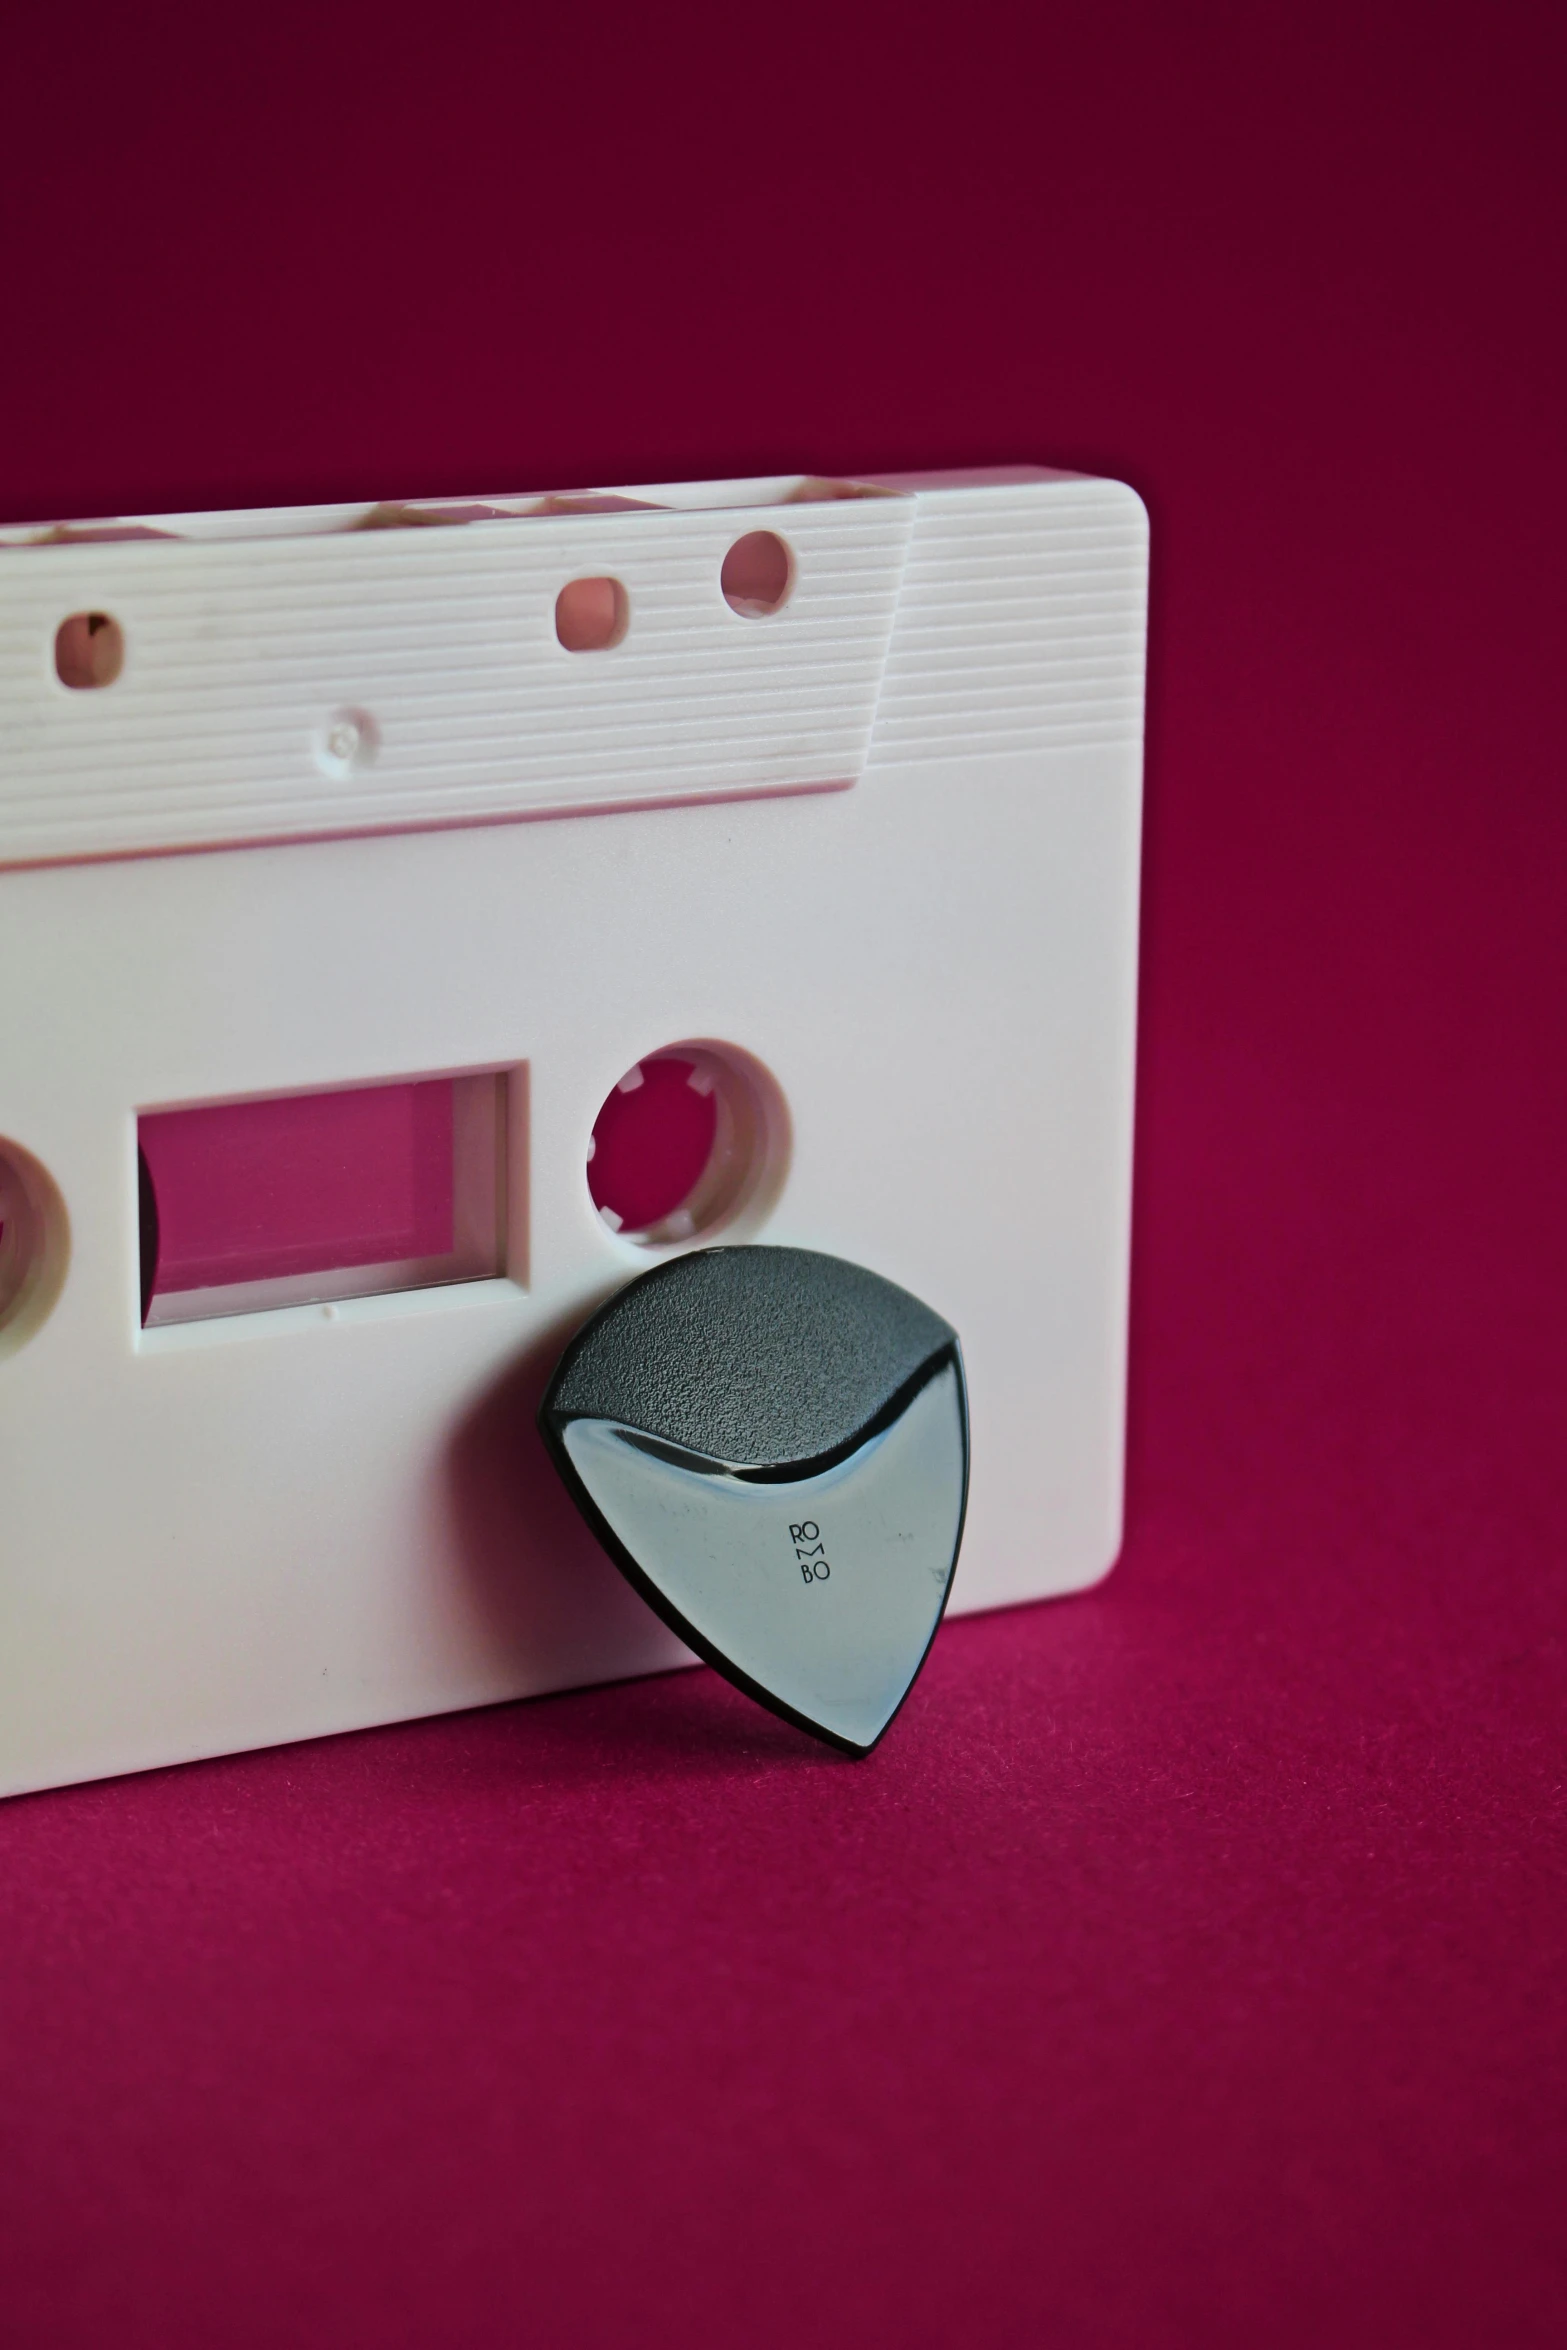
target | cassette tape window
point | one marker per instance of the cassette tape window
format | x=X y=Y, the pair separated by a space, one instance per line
x=306 y=1198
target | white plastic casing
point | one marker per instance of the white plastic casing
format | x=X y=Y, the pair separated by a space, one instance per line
x=884 y=841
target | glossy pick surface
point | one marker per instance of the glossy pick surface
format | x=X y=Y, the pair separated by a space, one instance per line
x=773 y=1446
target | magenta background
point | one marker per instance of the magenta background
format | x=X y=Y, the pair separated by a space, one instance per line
x=1187 y=1968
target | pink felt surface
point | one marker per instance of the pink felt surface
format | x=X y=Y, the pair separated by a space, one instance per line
x=1186 y=1969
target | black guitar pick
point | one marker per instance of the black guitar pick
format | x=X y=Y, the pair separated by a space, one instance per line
x=773 y=1447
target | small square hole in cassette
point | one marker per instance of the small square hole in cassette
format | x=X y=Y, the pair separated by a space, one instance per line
x=306 y=1198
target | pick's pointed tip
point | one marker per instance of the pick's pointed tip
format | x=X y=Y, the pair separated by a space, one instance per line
x=854 y=1749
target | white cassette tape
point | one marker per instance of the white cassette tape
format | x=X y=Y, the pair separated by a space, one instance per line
x=414 y=922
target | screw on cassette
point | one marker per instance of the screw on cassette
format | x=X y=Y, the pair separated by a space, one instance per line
x=772 y=1445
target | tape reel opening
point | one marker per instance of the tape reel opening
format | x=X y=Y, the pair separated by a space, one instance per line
x=34 y=1245
x=694 y=1139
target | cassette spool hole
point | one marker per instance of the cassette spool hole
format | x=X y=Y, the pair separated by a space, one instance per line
x=34 y=1245
x=89 y=650
x=692 y=1137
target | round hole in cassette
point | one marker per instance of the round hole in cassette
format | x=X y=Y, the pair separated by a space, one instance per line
x=758 y=575
x=34 y=1245
x=693 y=1137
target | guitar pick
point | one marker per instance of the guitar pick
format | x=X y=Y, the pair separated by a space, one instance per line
x=772 y=1445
